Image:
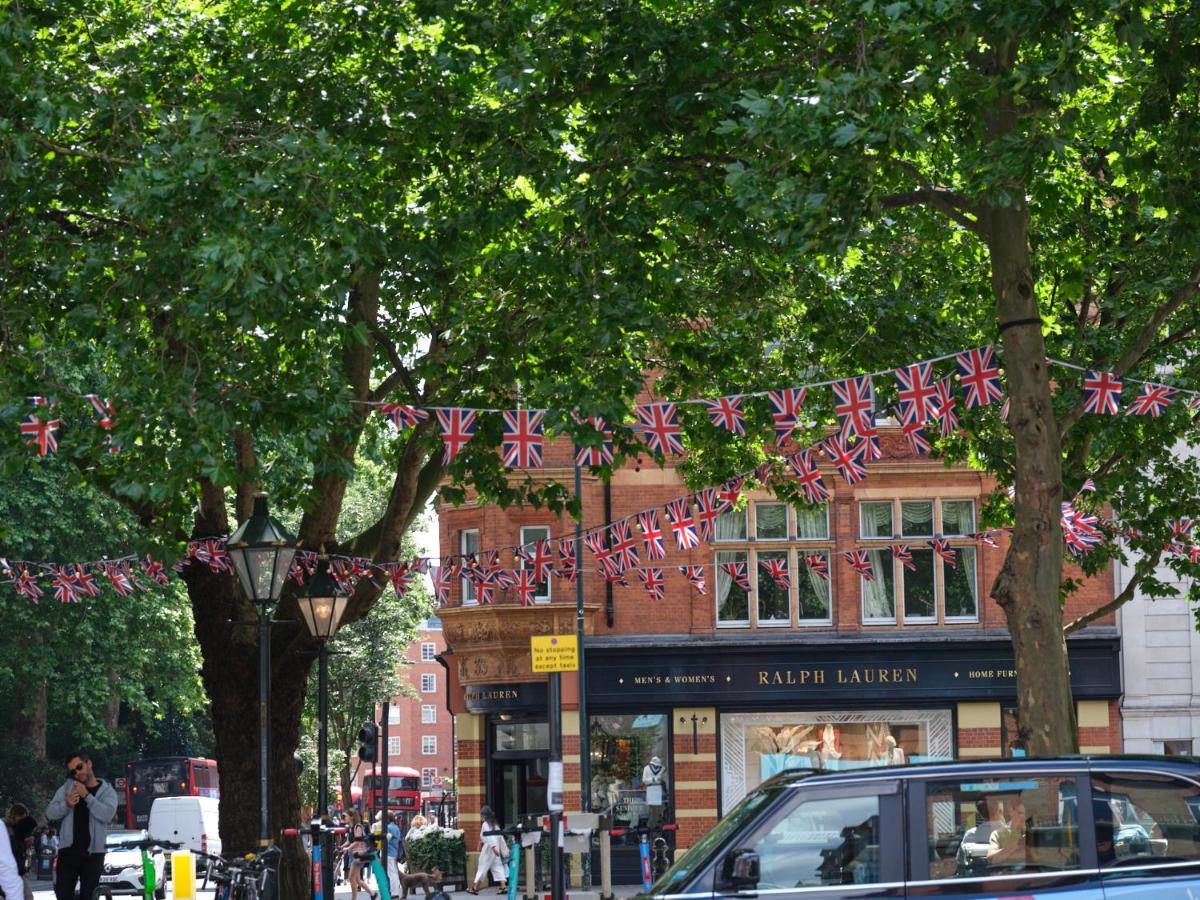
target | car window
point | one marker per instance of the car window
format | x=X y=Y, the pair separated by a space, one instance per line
x=1145 y=818
x=822 y=842
x=998 y=826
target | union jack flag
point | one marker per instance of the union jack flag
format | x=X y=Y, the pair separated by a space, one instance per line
x=785 y=410
x=660 y=427
x=66 y=586
x=1182 y=527
x=401 y=576
x=442 y=577
x=1004 y=409
x=1087 y=487
x=844 y=459
x=342 y=573
x=503 y=577
x=904 y=555
x=706 y=513
x=652 y=534
x=980 y=376
x=915 y=392
x=540 y=556
x=1193 y=403
x=521 y=446
x=944 y=408
x=624 y=545
x=860 y=563
x=594 y=541
x=778 y=570
x=41 y=432
x=104 y=410
x=652 y=579
x=614 y=577
x=818 y=565
x=600 y=454
x=739 y=572
x=854 y=404
x=918 y=443
x=726 y=413
x=1080 y=543
x=729 y=492
x=1152 y=401
x=804 y=464
x=304 y=564
x=218 y=557
x=1080 y=530
x=867 y=445
x=683 y=526
x=527 y=584
x=948 y=554
x=26 y=585
x=402 y=415
x=420 y=565
x=86 y=581
x=568 y=566
x=154 y=571
x=485 y=586
x=988 y=538
x=695 y=577
x=1101 y=392
x=36 y=401
x=762 y=472
x=457 y=426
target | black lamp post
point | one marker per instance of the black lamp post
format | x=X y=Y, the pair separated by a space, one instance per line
x=322 y=603
x=262 y=552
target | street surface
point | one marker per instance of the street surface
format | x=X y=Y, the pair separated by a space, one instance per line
x=42 y=890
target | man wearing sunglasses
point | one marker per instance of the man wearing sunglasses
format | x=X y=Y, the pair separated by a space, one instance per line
x=86 y=804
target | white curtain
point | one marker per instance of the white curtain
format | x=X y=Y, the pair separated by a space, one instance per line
x=879 y=596
x=819 y=585
x=724 y=583
x=876 y=519
x=916 y=518
x=731 y=525
x=812 y=522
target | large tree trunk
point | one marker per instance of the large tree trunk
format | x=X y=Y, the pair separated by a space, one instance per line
x=29 y=715
x=1029 y=583
x=225 y=628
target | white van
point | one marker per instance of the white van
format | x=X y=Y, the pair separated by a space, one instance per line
x=190 y=821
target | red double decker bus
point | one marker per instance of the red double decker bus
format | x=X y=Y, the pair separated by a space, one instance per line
x=166 y=776
x=403 y=789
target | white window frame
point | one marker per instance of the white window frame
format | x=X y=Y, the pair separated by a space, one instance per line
x=393 y=713
x=468 y=587
x=428 y=713
x=529 y=534
x=750 y=595
x=428 y=651
x=428 y=683
x=429 y=745
x=427 y=775
x=787 y=522
x=393 y=747
x=917 y=542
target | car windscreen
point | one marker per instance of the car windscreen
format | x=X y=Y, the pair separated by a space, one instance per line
x=700 y=852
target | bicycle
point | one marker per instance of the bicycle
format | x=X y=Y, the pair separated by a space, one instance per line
x=151 y=890
x=371 y=857
x=254 y=876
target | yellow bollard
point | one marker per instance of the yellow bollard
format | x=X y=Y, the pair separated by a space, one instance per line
x=183 y=875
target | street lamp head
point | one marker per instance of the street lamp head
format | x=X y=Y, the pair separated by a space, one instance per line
x=322 y=603
x=262 y=552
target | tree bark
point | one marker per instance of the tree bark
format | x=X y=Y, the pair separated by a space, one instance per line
x=1028 y=585
x=30 y=706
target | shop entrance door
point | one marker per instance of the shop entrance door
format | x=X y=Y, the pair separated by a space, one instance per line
x=519 y=786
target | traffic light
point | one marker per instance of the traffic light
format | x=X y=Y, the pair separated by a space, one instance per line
x=368 y=742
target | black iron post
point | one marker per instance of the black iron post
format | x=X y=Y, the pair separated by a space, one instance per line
x=264 y=725
x=585 y=732
x=554 y=710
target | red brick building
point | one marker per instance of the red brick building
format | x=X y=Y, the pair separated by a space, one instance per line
x=726 y=687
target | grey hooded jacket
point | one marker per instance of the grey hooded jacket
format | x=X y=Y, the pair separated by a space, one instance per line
x=102 y=806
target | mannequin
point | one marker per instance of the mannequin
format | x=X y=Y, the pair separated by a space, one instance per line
x=894 y=755
x=654 y=779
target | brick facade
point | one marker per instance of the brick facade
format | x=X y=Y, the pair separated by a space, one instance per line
x=618 y=613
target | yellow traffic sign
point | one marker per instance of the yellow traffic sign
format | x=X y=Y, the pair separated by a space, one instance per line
x=554 y=652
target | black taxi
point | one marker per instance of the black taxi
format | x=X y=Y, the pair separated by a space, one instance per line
x=1080 y=827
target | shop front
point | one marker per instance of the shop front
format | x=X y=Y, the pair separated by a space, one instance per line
x=732 y=714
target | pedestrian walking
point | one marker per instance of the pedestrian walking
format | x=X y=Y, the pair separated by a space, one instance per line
x=10 y=879
x=395 y=854
x=493 y=855
x=86 y=805
x=21 y=826
x=357 y=842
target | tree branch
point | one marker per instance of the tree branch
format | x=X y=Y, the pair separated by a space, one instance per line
x=1145 y=339
x=1143 y=568
x=400 y=372
x=937 y=198
x=78 y=151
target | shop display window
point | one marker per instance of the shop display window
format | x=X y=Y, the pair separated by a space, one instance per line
x=522 y=736
x=756 y=746
x=629 y=769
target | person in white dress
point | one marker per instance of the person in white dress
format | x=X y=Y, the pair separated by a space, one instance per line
x=493 y=854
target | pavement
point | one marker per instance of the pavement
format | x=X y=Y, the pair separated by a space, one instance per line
x=42 y=890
